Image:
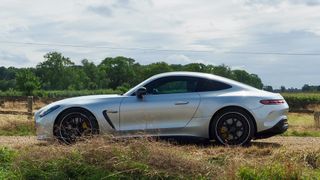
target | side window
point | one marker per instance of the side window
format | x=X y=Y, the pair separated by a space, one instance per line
x=211 y=85
x=171 y=85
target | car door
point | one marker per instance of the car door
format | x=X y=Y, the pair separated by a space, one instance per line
x=170 y=103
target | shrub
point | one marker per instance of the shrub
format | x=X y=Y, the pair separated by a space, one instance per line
x=64 y=93
x=73 y=93
x=301 y=100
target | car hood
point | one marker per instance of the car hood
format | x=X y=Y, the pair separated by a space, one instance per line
x=82 y=100
x=86 y=99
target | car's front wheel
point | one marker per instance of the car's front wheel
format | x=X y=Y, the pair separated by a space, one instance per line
x=232 y=126
x=75 y=124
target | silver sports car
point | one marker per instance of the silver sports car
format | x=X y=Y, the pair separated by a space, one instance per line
x=170 y=104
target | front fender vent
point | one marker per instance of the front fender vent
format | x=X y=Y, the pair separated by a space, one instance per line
x=108 y=119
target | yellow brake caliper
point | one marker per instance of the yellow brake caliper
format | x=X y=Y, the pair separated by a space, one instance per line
x=224 y=132
x=84 y=125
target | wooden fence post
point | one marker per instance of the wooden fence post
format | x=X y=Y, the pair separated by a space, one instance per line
x=317 y=119
x=30 y=108
x=2 y=102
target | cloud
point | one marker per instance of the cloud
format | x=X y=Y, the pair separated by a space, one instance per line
x=214 y=26
x=13 y=59
x=101 y=10
x=277 y=2
x=307 y=2
x=181 y=59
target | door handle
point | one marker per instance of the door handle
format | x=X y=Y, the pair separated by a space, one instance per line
x=181 y=103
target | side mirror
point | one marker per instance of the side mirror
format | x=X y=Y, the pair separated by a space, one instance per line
x=141 y=92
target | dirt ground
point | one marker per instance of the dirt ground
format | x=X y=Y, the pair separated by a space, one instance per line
x=298 y=143
x=18 y=141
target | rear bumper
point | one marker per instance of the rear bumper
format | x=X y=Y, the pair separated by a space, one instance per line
x=279 y=128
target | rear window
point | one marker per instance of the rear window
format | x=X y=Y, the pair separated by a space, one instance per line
x=211 y=85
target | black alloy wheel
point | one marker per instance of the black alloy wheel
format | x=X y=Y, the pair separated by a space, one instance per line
x=233 y=127
x=73 y=126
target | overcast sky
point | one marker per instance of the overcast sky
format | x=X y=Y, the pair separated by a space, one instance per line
x=214 y=29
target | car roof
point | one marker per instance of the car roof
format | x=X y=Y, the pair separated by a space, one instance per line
x=187 y=73
x=201 y=75
x=196 y=74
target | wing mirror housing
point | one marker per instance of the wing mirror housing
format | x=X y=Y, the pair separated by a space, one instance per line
x=141 y=91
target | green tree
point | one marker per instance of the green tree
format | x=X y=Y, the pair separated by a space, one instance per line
x=92 y=73
x=195 y=67
x=7 y=78
x=256 y=81
x=78 y=77
x=155 y=68
x=118 y=70
x=245 y=77
x=56 y=72
x=222 y=70
x=176 y=67
x=139 y=76
x=27 y=81
x=268 y=88
x=306 y=88
x=241 y=76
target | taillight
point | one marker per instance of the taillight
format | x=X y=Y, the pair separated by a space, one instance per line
x=272 y=101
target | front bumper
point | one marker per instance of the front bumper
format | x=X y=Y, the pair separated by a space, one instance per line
x=44 y=126
x=279 y=128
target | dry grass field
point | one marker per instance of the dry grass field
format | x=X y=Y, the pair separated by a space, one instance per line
x=281 y=157
x=21 y=105
x=143 y=158
x=16 y=125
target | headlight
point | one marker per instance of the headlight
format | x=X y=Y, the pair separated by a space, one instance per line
x=47 y=111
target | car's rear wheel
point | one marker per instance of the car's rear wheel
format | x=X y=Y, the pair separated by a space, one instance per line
x=75 y=124
x=232 y=126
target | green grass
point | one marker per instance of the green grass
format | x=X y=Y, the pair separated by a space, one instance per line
x=6 y=158
x=22 y=129
x=277 y=171
x=268 y=172
x=302 y=125
x=16 y=125
x=304 y=133
x=71 y=167
x=305 y=120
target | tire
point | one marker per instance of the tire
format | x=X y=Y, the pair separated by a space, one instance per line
x=75 y=124
x=232 y=126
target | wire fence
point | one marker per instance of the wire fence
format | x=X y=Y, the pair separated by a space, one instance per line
x=15 y=109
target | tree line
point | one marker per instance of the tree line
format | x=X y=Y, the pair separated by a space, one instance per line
x=305 y=88
x=58 y=72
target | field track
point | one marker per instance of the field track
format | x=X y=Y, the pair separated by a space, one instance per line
x=18 y=141
x=291 y=142
x=278 y=141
